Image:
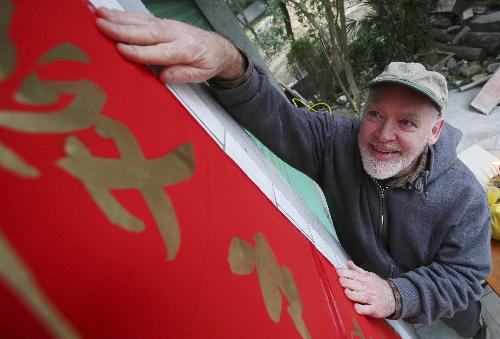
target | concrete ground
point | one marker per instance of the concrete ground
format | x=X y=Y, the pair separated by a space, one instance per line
x=477 y=128
x=483 y=130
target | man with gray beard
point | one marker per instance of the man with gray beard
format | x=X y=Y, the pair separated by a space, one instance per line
x=410 y=214
x=396 y=161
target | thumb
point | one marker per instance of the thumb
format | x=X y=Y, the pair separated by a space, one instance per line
x=177 y=74
x=352 y=266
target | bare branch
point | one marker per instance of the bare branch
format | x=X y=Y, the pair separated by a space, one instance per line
x=336 y=36
x=310 y=17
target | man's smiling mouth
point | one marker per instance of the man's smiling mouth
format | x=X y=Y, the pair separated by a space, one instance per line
x=383 y=152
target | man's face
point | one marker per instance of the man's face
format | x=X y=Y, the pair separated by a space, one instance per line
x=398 y=122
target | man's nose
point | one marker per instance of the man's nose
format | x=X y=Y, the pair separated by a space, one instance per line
x=386 y=132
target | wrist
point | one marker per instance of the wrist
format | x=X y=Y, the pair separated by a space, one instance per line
x=219 y=83
x=234 y=65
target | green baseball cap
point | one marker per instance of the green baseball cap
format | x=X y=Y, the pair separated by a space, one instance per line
x=414 y=75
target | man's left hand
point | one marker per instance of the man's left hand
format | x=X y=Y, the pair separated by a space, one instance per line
x=372 y=294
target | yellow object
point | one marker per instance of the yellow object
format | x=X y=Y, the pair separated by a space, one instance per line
x=494 y=203
x=312 y=108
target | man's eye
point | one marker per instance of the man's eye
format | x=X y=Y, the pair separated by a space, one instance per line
x=406 y=123
x=373 y=114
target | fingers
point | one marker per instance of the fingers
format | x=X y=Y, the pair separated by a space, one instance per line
x=369 y=310
x=352 y=279
x=351 y=284
x=189 y=53
x=351 y=265
x=122 y=17
x=161 y=54
x=184 y=73
x=360 y=297
x=350 y=274
x=149 y=34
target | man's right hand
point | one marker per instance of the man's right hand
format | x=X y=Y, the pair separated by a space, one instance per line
x=188 y=54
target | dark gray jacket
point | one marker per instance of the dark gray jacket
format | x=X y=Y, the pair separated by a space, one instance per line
x=432 y=239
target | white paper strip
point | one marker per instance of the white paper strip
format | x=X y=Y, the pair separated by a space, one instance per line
x=199 y=111
x=323 y=242
x=111 y=4
x=234 y=150
x=292 y=214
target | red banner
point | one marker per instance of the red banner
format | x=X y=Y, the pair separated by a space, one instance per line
x=122 y=218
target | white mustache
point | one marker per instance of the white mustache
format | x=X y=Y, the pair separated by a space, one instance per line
x=385 y=147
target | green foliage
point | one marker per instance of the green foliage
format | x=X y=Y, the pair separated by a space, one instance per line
x=308 y=61
x=236 y=5
x=272 y=36
x=394 y=31
x=269 y=34
x=272 y=39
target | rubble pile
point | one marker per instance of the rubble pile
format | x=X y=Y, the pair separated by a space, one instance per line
x=465 y=48
x=466 y=41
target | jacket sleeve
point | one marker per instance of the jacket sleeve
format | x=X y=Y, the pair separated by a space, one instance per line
x=296 y=135
x=453 y=279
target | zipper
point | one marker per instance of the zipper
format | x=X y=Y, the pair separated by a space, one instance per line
x=382 y=235
x=381 y=191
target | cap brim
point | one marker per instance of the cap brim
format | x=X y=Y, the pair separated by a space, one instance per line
x=412 y=85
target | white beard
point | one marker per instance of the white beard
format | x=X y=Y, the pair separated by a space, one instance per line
x=384 y=169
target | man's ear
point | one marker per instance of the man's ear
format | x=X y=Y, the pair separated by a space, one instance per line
x=436 y=131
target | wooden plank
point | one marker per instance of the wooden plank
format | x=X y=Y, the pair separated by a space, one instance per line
x=494 y=279
x=487 y=40
x=489 y=96
x=457 y=40
x=475 y=83
x=469 y=53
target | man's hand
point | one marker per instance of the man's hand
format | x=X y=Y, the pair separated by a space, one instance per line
x=189 y=54
x=372 y=294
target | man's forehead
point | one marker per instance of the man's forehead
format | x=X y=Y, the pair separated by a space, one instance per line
x=387 y=93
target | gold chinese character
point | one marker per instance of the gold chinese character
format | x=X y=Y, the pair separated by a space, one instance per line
x=272 y=278
x=132 y=170
x=79 y=114
x=20 y=280
x=99 y=175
